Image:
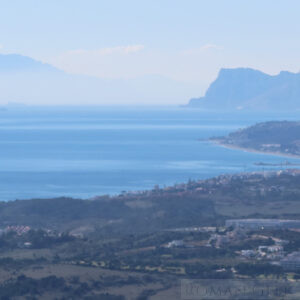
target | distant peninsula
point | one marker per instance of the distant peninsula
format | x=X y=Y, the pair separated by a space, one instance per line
x=276 y=137
x=245 y=89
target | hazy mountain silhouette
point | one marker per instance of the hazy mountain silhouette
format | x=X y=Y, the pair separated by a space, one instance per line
x=248 y=89
x=20 y=63
x=25 y=80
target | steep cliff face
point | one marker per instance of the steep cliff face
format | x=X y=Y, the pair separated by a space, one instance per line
x=249 y=89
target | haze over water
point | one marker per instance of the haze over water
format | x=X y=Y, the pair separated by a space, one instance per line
x=84 y=152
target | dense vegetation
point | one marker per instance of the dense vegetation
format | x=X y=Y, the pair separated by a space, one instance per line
x=276 y=136
x=114 y=215
x=112 y=247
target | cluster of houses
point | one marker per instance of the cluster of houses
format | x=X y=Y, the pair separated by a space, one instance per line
x=208 y=185
x=175 y=243
x=236 y=230
x=219 y=240
x=274 y=253
x=20 y=230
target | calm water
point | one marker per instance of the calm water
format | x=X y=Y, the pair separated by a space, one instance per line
x=83 y=152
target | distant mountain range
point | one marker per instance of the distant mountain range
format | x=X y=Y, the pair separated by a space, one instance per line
x=26 y=80
x=20 y=63
x=248 y=89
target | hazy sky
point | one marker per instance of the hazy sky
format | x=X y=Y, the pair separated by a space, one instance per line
x=187 y=41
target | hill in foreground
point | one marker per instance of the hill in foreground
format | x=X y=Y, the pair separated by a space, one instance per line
x=142 y=245
x=196 y=203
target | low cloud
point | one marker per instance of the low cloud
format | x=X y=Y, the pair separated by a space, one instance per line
x=135 y=61
x=111 y=50
x=121 y=49
x=109 y=62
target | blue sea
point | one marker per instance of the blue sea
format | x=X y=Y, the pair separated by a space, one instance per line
x=87 y=151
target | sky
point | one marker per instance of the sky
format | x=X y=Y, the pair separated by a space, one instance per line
x=183 y=41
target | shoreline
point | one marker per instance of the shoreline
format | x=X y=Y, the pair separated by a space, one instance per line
x=251 y=150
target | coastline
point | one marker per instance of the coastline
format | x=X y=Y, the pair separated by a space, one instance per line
x=234 y=147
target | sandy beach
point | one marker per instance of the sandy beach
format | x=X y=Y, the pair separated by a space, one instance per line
x=233 y=147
